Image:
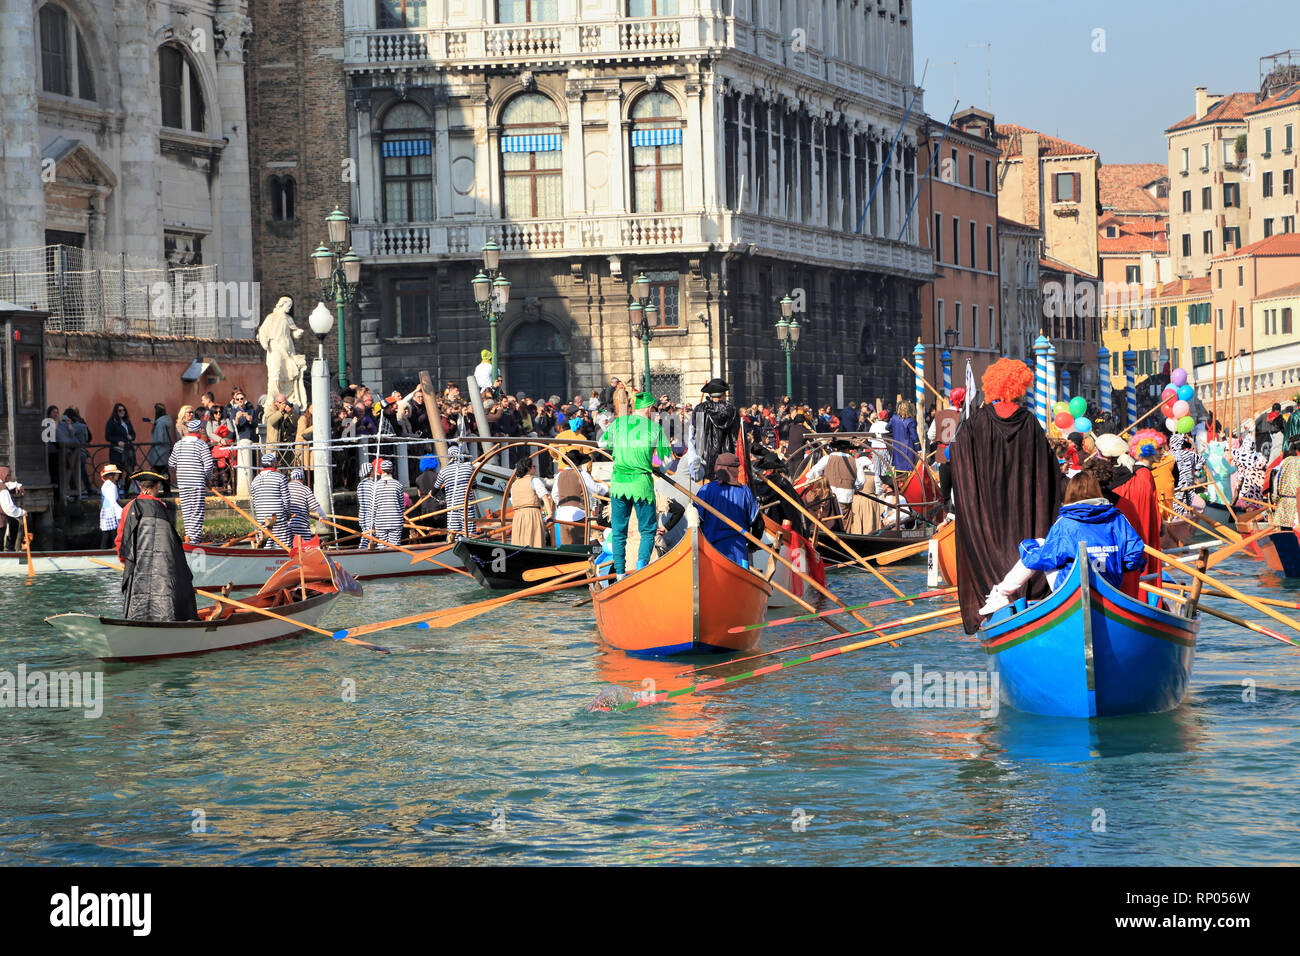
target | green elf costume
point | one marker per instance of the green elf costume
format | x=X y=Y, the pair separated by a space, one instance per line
x=634 y=439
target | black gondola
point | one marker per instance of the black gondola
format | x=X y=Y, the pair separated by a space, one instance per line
x=500 y=566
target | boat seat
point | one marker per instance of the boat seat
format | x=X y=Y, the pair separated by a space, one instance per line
x=1006 y=612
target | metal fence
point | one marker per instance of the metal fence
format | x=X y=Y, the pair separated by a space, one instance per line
x=87 y=291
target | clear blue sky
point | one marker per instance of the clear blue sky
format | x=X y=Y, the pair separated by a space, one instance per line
x=1046 y=76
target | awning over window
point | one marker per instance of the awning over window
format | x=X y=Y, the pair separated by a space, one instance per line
x=657 y=137
x=406 y=147
x=539 y=143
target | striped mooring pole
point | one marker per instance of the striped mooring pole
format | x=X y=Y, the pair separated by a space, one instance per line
x=1065 y=385
x=1103 y=366
x=1053 y=393
x=947 y=374
x=1130 y=384
x=1041 y=345
x=918 y=359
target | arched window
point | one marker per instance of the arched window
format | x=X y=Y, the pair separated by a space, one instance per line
x=528 y=11
x=63 y=56
x=656 y=154
x=532 y=184
x=407 y=153
x=284 y=197
x=182 y=94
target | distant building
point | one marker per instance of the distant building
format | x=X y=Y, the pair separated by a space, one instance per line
x=961 y=309
x=1207 y=174
x=1071 y=322
x=1020 y=296
x=1272 y=128
x=1238 y=278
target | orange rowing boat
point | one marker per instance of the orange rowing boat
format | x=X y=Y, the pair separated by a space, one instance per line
x=946 y=536
x=684 y=603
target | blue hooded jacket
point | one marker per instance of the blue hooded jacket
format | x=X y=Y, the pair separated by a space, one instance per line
x=1113 y=546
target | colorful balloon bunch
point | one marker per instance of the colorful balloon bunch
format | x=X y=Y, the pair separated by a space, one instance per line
x=1072 y=416
x=1176 y=403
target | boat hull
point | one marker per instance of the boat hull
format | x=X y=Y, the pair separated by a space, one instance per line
x=1088 y=650
x=249 y=567
x=684 y=603
x=112 y=639
x=1281 y=551
x=14 y=563
x=946 y=537
x=500 y=567
x=866 y=544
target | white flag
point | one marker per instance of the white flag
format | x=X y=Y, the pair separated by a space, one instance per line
x=970 y=390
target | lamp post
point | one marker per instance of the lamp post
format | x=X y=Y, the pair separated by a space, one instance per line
x=643 y=314
x=491 y=294
x=787 y=333
x=338 y=275
x=321 y=321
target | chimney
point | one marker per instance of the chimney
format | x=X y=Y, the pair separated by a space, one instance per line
x=1031 y=200
x=1202 y=101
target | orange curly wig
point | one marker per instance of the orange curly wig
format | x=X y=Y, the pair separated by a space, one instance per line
x=1006 y=380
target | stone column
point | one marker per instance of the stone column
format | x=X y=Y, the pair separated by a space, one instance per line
x=22 y=196
x=700 y=146
x=370 y=182
x=231 y=29
x=139 y=196
x=773 y=160
x=618 y=172
x=575 y=176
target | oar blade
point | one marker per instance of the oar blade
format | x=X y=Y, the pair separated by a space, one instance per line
x=555 y=570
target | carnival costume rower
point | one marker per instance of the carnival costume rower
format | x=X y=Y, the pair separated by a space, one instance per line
x=156 y=580
x=729 y=497
x=634 y=439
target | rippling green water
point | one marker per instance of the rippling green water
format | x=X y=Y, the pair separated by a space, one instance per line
x=471 y=746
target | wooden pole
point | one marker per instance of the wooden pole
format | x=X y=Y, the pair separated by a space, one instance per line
x=251 y=520
x=27 y=546
x=836 y=538
x=1227 y=589
x=432 y=409
x=419 y=556
x=1222 y=615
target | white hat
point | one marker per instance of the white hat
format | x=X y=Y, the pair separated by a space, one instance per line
x=1111 y=446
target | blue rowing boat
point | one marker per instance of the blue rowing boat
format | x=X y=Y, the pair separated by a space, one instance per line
x=1089 y=650
x=1281 y=551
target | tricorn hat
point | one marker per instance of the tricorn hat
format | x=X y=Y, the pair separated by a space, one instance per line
x=715 y=386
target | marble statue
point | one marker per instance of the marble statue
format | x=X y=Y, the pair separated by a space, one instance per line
x=278 y=336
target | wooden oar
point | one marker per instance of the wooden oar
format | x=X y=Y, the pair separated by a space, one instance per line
x=425 y=616
x=1192 y=518
x=464 y=614
x=1149 y=413
x=423 y=498
x=418 y=555
x=899 y=554
x=1222 y=615
x=253 y=521
x=810 y=581
x=783 y=665
x=27 y=546
x=443 y=511
x=1224 y=552
x=840 y=610
x=1227 y=589
x=944 y=612
x=263 y=611
x=1215 y=592
x=541 y=574
x=834 y=537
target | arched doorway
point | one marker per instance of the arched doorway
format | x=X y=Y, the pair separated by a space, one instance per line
x=534 y=361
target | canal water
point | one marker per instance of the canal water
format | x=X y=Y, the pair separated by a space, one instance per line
x=471 y=746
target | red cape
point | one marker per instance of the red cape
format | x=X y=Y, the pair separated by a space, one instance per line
x=1139 y=502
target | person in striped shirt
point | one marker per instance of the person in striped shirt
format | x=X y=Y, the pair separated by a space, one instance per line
x=387 y=504
x=302 y=504
x=365 y=499
x=190 y=465
x=454 y=480
x=270 y=492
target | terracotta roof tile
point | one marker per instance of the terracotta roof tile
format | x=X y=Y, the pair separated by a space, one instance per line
x=1284 y=244
x=1286 y=290
x=1127 y=242
x=1121 y=187
x=1231 y=107
x=1056 y=265
x=1196 y=287
x=1286 y=97
x=1011 y=137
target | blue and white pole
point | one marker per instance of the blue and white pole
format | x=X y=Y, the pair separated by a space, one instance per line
x=1130 y=384
x=1065 y=384
x=1103 y=365
x=1041 y=345
x=1053 y=393
x=918 y=359
x=947 y=373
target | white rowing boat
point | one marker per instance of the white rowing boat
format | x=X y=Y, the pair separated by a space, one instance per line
x=224 y=627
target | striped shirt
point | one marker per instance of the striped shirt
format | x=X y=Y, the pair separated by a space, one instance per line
x=454 y=478
x=302 y=505
x=388 y=503
x=193 y=462
x=270 y=490
x=365 y=499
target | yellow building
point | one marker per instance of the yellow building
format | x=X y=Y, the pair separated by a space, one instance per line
x=1171 y=324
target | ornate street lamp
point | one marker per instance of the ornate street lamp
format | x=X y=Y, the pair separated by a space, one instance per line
x=787 y=333
x=643 y=314
x=338 y=275
x=491 y=293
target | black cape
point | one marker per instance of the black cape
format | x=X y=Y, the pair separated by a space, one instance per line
x=1008 y=488
x=719 y=428
x=156 y=582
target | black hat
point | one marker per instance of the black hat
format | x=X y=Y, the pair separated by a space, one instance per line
x=715 y=386
x=770 y=461
x=841 y=444
x=148 y=476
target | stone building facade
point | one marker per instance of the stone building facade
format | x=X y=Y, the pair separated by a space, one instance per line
x=724 y=148
x=125 y=132
x=1021 y=302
